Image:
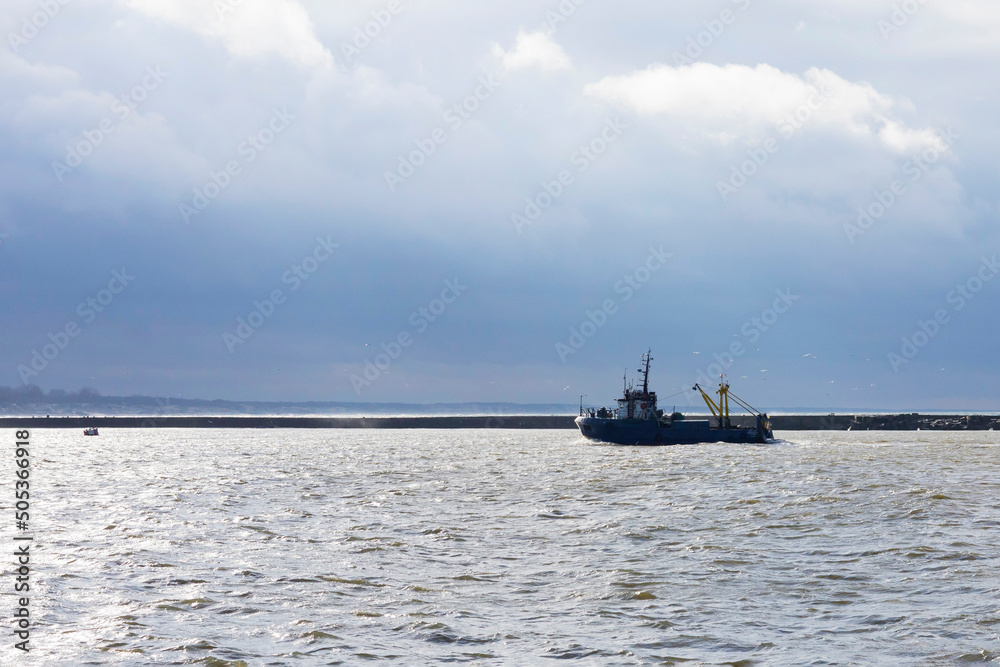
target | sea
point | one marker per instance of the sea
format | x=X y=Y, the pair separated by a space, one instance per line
x=496 y=547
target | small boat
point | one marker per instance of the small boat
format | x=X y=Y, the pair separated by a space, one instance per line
x=91 y=431
x=637 y=421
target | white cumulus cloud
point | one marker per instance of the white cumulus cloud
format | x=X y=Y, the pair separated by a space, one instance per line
x=534 y=49
x=733 y=101
x=247 y=28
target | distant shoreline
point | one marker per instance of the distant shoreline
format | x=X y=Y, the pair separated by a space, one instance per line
x=827 y=422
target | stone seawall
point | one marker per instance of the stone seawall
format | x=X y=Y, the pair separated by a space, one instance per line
x=899 y=422
x=500 y=421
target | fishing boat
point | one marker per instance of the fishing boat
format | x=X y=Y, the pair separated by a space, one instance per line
x=91 y=431
x=638 y=421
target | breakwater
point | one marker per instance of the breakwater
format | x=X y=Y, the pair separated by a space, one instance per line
x=201 y=421
x=829 y=422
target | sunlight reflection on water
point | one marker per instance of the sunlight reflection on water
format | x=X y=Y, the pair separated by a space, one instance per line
x=326 y=546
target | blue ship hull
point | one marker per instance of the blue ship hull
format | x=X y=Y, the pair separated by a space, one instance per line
x=652 y=432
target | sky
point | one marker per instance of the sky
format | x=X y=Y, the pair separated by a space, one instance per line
x=431 y=201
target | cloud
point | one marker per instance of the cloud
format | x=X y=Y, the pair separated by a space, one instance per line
x=972 y=12
x=725 y=102
x=535 y=49
x=956 y=26
x=247 y=28
x=16 y=74
x=905 y=140
x=325 y=175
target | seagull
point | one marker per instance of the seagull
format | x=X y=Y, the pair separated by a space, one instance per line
x=566 y=387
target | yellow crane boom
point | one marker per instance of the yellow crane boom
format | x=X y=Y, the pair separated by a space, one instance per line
x=721 y=410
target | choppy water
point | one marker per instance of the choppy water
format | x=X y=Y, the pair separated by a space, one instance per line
x=514 y=547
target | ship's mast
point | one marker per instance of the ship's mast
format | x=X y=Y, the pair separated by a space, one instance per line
x=646 y=358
